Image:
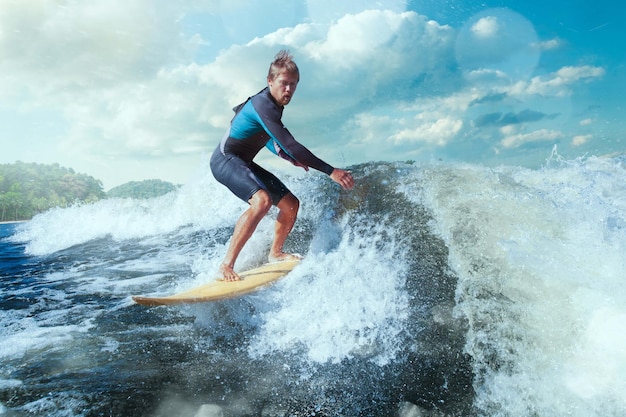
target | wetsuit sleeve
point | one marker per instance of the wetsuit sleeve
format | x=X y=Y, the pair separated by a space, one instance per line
x=273 y=146
x=283 y=140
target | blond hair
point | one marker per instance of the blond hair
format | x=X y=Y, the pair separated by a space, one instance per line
x=282 y=61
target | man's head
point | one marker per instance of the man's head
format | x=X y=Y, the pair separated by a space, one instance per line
x=283 y=77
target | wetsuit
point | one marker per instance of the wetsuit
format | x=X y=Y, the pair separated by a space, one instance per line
x=257 y=123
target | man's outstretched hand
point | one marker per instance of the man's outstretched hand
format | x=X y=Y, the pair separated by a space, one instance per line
x=343 y=178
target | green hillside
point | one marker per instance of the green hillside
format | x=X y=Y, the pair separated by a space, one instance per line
x=27 y=189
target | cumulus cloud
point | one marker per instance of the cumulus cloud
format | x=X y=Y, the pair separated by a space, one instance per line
x=418 y=127
x=549 y=44
x=360 y=54
x=486 y=27
x=151 y=120
x=580 y=140
x=558 y=83
x=438 y=132
x=541 y=135
x=51 y=47
x=391 y=50
x=99 y=63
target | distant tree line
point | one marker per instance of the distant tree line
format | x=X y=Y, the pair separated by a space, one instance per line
x=27 y=189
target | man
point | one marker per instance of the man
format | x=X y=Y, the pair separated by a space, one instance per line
x=257 y=123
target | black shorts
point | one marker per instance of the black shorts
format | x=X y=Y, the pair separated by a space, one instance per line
x=245 y=179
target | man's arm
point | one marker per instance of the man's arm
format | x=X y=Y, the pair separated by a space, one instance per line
x=270 y=118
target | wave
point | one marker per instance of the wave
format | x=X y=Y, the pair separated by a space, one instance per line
x=495 y=290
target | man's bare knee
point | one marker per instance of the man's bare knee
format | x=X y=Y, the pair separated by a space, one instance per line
x=289 y=203
x=261 y=202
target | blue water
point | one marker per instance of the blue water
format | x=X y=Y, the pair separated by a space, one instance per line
x=428 y=290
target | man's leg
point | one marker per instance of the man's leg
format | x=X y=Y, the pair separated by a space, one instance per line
x=260 y=204
x=288 y=212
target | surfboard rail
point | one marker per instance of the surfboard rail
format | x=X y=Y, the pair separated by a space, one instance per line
x=252 y=280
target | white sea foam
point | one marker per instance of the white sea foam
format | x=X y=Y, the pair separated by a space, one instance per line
x=200 y=203
x=540 y=256
x=349 y=302
x=541 y=259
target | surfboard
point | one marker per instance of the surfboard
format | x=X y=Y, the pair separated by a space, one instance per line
x=251 y=280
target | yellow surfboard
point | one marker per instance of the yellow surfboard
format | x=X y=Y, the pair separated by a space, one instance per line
x=251 y=280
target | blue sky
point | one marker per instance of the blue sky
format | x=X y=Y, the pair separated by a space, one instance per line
x=138 y=89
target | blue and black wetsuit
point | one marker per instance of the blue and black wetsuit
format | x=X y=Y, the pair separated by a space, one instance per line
x=257 y=123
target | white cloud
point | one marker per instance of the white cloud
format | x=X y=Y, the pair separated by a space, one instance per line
x=428 y=123
x=580 y=140
x=549 y=44
x=354 y=36
x=367 y=130
x=486 y=76
x=378 y=44
x=358 y=57
x=541 y=135
x=438 y=133
x=486 y=27
x=570 y=74
x=52 y=47
x=136 y=121
x=558 y=83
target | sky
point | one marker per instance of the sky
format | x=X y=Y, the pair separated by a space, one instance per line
x=127 y=90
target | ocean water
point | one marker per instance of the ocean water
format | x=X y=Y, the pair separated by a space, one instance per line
x=428 y=290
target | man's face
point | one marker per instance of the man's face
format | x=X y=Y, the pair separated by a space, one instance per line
x=283 y=87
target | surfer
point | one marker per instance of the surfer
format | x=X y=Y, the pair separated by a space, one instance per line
x=257 y=123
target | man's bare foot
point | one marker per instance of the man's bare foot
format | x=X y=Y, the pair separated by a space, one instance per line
x=228 y=273
x=285 y=257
